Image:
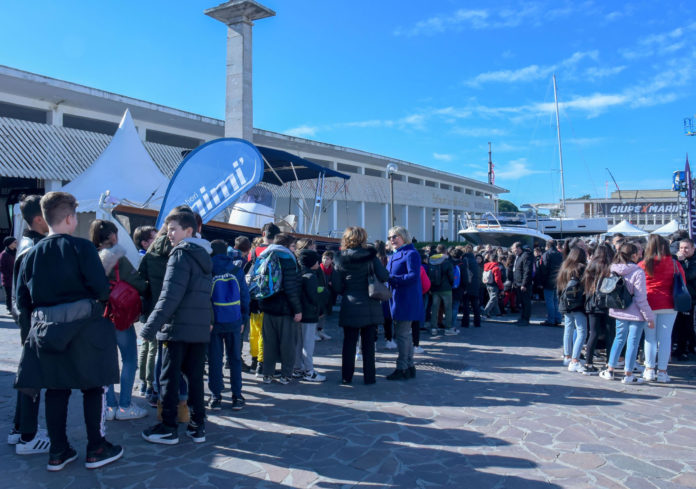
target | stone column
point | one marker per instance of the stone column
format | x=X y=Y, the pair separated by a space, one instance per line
x=438 y=225
x=404 y=217
x=386 y=222
x=361 y=214
x=450 y=224
x=239 y=16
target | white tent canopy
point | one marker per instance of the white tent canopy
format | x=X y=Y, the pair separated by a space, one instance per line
x=669 y=228
x=125 y=169
x=627 y=229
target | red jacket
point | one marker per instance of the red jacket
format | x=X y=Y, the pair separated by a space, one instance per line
x=491 y=265
x=659 y=285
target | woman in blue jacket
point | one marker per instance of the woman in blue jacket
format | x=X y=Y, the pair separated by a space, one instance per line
x=406 y=304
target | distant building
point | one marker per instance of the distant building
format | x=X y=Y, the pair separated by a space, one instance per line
x=52 y=130
x=648 y=209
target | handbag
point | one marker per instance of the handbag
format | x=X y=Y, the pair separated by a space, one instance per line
x=376 y=289
x=680 y=294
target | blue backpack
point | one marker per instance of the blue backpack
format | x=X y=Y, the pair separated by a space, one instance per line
x=457 y=277
x=226 y=298
x=265 y=278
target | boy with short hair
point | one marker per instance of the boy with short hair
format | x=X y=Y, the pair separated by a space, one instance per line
x=143 y=236
x=312 y=308
x=70 y=345
x=230 y=299
x=181 y=321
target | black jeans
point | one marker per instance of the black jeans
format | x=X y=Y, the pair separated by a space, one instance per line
x=524 y=301
x=57 y=417
x=350 y=344
x=415 y=332
x=188 y=359
x=471 y=301
x=598 y=325
x=8 y=298
x=388 y=328
x=683 y=334
x=26 y=416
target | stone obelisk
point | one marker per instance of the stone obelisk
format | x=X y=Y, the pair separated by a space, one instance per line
x=239 y=17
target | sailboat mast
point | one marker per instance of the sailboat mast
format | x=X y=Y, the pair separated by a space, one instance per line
x=560 y=148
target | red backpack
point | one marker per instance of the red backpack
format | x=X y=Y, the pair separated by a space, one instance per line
x=124 y=306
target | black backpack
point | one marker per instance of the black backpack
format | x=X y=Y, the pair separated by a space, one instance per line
x=435 y=275
x=613 y=293
x=572 y=297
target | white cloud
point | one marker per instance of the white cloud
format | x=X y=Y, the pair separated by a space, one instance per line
x=443 y=157
x=441 y=23
x=662 y=43
x=532 y=72
x=515 y=169
x=478 y=132
x=302 y=131
x=593 y=73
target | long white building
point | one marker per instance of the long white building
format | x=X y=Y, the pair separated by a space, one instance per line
x=51 y=130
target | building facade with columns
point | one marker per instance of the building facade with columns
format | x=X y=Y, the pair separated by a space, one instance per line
x=51 y=130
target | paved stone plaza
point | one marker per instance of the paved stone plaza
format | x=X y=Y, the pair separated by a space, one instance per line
x=491 y=408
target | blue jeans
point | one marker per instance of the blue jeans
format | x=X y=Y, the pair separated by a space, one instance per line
x=128 y=346
x=551 y=299
x=628 y=333
x=574 y=333
x=183 y=386
x=658 y=340
x=232 y=342
x=455 y=310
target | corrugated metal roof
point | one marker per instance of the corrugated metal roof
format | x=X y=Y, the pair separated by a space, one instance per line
x=35 y=150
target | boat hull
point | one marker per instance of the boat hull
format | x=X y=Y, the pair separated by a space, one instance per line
x=505 y=237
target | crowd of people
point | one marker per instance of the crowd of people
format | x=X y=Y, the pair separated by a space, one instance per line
x=196 y=298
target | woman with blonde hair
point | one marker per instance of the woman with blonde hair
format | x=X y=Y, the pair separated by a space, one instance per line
x=359 y=314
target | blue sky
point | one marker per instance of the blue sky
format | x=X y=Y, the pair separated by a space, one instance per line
x=427 y=82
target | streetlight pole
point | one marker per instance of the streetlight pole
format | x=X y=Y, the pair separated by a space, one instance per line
x=391 y=169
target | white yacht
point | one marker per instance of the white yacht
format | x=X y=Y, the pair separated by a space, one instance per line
x=503 y=229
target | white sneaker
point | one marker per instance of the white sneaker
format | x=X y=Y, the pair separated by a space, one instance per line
x=110 y=413
x=434 y=332
x=317 y=337
x=418 y=350
x=566 y=361
x=574 y=367
x=324 y=336
x=649 y=374
x=40 y=444
x=13 y=437
x=638 y=369
x=607 y=375
x=313 y=376
x=663 y=378
x=390 y=345
x=632 y=379
x=451 y=332
x=131 y=412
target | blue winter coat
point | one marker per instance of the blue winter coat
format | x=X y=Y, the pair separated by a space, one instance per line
x=406 y=303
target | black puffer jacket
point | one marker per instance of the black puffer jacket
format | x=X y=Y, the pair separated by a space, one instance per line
x=183 y=311
x=286 y=302
x=357 y=309
x=152 y=268
x=551 y=262
x=474 y=274
x=311 y=302
x=689 y=266
x=69 y=346
x=522 y=275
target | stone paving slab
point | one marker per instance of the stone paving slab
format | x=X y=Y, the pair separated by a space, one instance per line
x=492 y=407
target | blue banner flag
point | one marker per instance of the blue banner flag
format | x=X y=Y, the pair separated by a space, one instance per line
x=212 y=177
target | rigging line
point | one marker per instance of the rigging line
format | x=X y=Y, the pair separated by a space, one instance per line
x=582 y=155
x=323 y=208
x=345 y=199
x=272 y=169
x=302 y=204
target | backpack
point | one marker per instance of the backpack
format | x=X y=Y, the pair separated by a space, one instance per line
x=613 y=293
x=265 y=277
x=488 y=278
x=457 y=277
x=226 y=297
x=571 y=298
x=435 y=275
x=124 y=306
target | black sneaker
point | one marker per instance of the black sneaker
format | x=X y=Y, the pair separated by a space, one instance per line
x=56 y=461
x=589 y=370
x=254 y=364
x=162 y=434
x=197 y=433
x=411 y=372
x=238 y=403
x=103 y=455
x=246 y=368
x=398 y=375
x=152 y=399
x=215 y=403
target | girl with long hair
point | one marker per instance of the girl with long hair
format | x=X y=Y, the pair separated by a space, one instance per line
x=598 y=318
x=572 y=270
x=631 y=321
x=660 y=269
